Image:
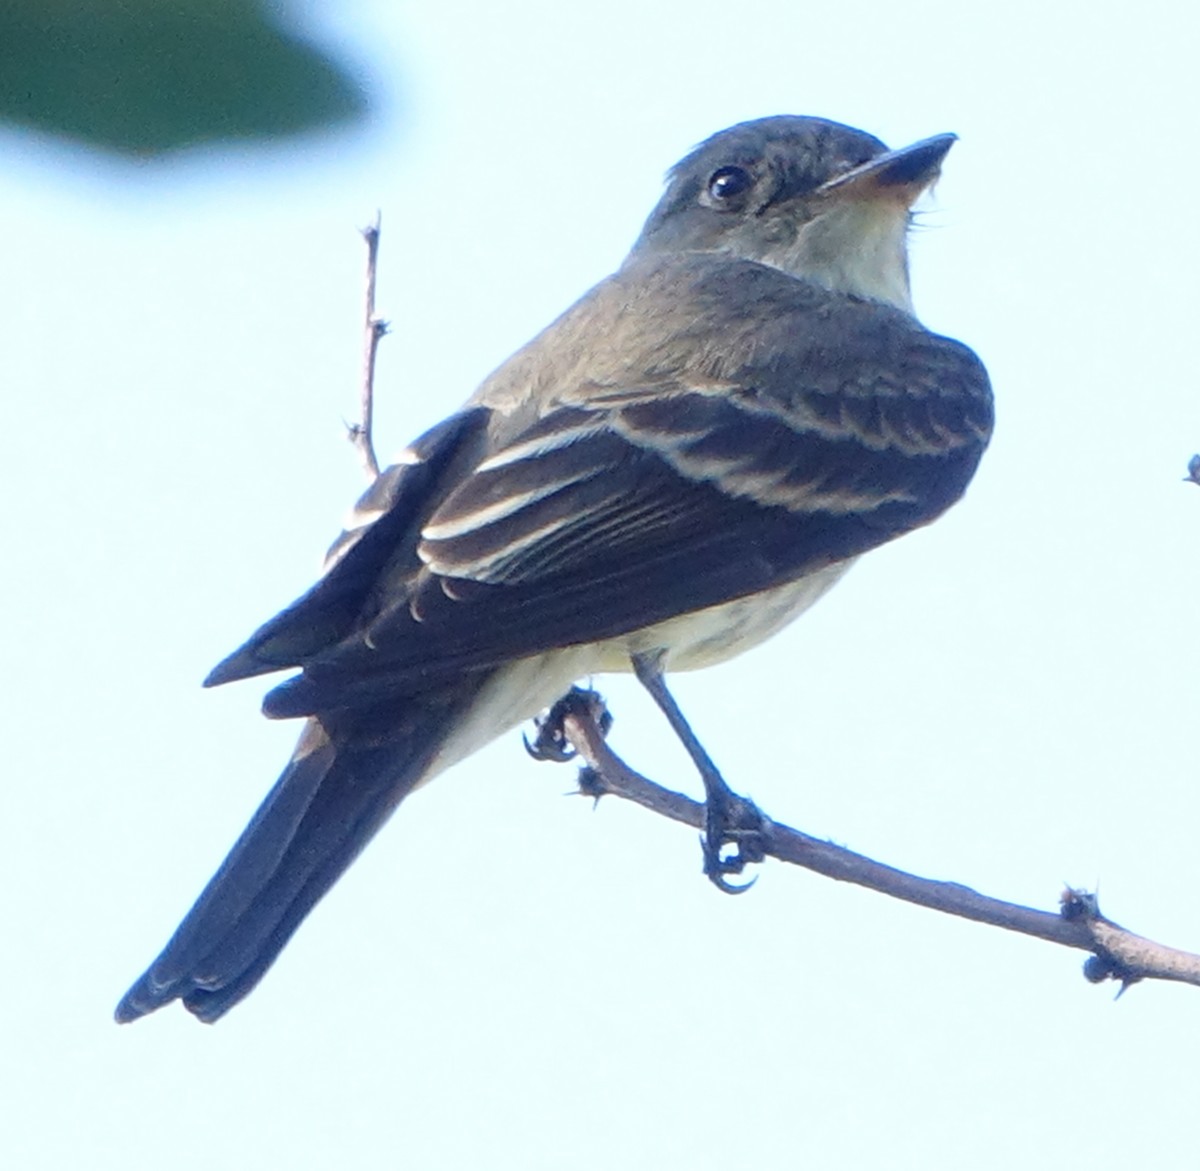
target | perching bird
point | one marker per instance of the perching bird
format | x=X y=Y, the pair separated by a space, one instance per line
x=669 y=473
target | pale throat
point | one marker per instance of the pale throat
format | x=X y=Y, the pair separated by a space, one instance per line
x=858 y=247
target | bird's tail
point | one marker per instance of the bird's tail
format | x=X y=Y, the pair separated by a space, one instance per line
x=340 y=786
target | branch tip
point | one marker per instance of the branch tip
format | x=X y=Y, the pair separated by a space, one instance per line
x=374 y=328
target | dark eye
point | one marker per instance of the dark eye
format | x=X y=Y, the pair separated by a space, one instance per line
x=728 y=183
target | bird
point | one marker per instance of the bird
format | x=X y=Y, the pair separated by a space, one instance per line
x=668 y=474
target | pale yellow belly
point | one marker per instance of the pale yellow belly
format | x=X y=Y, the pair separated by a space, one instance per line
x=705 y=637
x=521 y=690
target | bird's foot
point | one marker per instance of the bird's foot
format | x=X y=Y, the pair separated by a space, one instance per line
x=734 y=838
x=551 y=742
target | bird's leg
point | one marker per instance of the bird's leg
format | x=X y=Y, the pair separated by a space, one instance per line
x=551 y=741
x=729 y=819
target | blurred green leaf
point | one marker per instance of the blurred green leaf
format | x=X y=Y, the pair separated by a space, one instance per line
x=148 y=76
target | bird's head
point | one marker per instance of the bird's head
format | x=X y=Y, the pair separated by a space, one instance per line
x=816 y=199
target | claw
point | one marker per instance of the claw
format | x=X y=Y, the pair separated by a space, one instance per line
x=716 y=868
x=551 y=741
x=731 y=888
x=734 y=821
x=549 y=744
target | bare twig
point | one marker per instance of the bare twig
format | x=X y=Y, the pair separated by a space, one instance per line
x=1116 y=953
x=361 y=434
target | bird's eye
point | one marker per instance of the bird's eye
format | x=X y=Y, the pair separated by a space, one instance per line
x=727 y=184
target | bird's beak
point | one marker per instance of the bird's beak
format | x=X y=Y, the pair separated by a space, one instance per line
x=900 y=175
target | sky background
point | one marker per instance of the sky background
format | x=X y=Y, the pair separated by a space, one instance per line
x=507 y=979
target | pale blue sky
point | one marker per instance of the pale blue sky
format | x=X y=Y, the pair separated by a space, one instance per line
x=506 y=979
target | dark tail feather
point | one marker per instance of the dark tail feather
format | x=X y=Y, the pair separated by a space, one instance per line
x=335 y=793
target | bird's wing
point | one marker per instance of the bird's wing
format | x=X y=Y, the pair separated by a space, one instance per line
x=632 y=500
x=378 y=544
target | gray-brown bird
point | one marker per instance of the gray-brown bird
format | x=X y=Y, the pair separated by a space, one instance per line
x=668 y=474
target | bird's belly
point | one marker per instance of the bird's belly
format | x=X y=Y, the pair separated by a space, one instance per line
x=520 y=690
x=709 y=636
